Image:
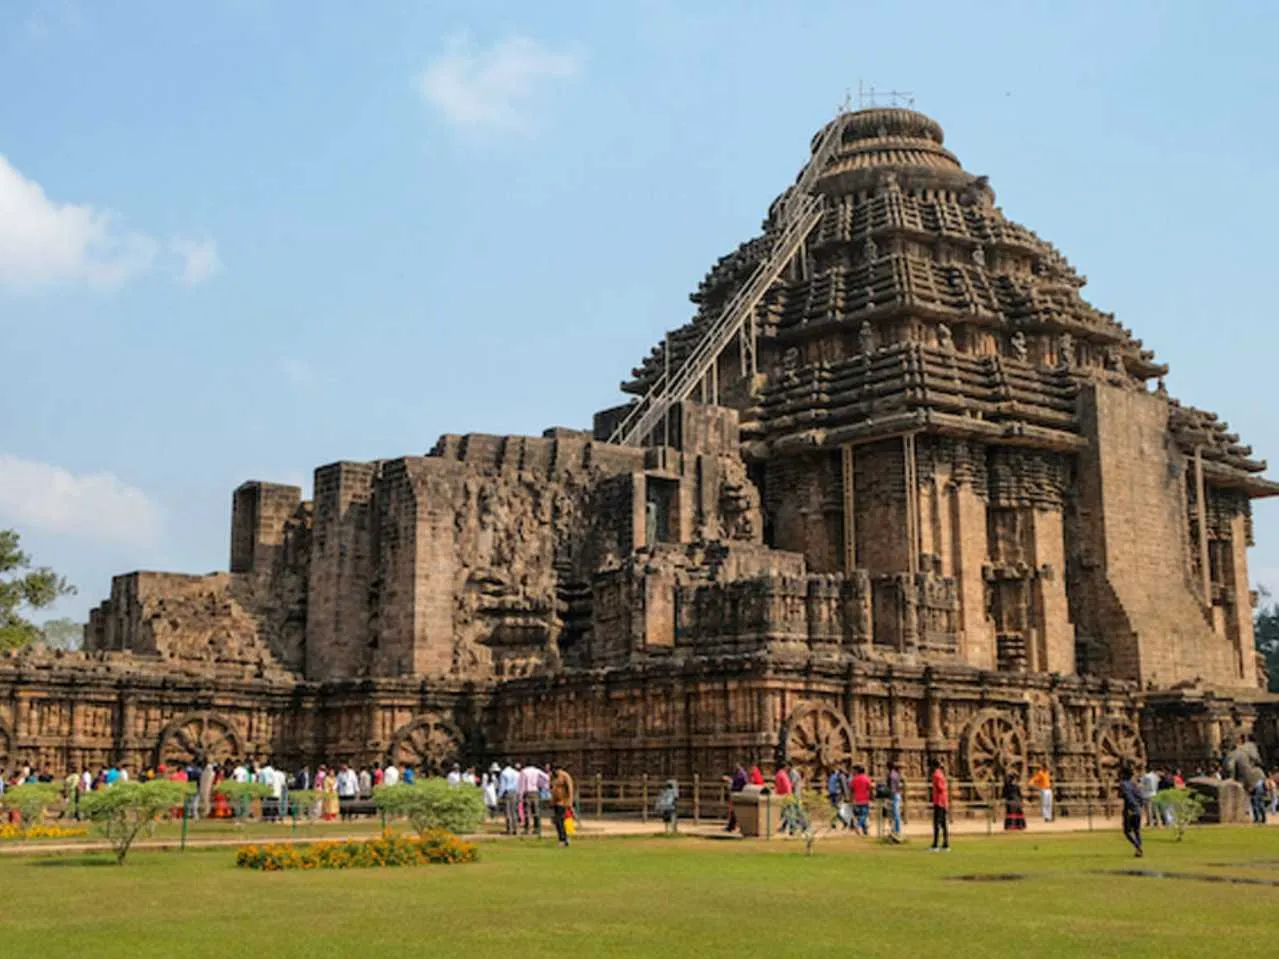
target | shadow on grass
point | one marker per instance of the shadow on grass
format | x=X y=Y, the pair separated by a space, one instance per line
x=86 y=860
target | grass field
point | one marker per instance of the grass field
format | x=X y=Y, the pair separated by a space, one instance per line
x=649 y=897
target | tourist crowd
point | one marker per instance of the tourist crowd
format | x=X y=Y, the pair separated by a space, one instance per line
x=517 y=791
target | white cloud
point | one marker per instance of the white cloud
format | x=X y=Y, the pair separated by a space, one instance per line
x=497 y=88
x=94 y=506
x=199 y=259
x=44 y=242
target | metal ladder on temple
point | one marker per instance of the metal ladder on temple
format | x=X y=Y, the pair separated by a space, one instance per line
x=800 y=211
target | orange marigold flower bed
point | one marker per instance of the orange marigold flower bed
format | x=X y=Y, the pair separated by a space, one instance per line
x=437 y=846
x=10 y=830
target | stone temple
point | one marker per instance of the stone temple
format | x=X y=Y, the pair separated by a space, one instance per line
x=896 y=490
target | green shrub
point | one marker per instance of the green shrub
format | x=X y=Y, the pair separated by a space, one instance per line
x=1185 y=805
x=242 y=795
x=124 y=810
x=30 y=800
x=431 y=804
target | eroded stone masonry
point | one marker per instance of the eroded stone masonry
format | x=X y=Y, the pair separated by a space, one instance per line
x=927 y=500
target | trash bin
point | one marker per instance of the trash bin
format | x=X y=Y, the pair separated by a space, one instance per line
x=759 y=812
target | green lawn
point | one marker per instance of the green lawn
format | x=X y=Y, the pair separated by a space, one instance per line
x=655 y=897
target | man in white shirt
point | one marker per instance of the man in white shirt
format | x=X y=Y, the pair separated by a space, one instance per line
x=508 y=794
x=391 y=777
x=265 y=776
x=455 y=775
x=348 y=788
x=366 y=782
x=241 y=773
x=532 y=780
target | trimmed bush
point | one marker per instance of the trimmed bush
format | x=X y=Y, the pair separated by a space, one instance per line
x=432 y=804
x=434 y=847
x=30 y=800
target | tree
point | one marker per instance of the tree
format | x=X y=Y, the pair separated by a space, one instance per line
x=1265 y=626
x=433 y=804
x=1185 y=805
x=30 y=800
x=122 y=811
x=23 y=585
x=816 y=817
x=63 y=633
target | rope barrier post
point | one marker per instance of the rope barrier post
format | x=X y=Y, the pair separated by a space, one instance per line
x=644 y=798
x=183 y=845
x=697 y=800
x=599 y=796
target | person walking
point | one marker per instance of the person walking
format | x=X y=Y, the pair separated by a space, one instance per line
x=508 y=792
x=736 y=783
x=667 y=806
x=896 y=793
x=862 y=789
x=939 y=797
x=1043 y=781
x=837 y=793
x=1149 y=787
x=531 y=778
x=489 y=785
x=1134 y=803
x=1014 y=812
x=562 y=794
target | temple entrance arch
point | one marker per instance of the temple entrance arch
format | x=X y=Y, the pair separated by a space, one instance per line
x=428 y=744
x=200 y=738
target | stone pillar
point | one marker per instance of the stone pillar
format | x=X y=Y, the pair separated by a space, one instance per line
x=968 y=536
x=1056 y=635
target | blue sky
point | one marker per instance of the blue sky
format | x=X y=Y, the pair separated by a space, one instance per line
x=244 y=238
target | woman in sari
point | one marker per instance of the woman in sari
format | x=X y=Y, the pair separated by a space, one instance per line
x=1014 y=814
x=331 y=803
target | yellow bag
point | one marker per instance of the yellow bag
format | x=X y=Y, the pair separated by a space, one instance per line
x=570 y=825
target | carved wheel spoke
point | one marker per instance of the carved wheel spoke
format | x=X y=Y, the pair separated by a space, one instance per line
x=817 y=740
x=1118 y=742
x=995 y=746
x=200 y=738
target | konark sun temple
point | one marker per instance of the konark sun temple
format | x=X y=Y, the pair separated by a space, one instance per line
x=895 y=491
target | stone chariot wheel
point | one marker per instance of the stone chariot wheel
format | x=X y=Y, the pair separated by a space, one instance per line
x=199 y=738
x=994 y=746
x=817 y=740
x=427 y=744
x=1118 y=742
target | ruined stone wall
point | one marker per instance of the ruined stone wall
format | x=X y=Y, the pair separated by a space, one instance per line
x=341 y=570
x=1135 y=597
x=202 y=619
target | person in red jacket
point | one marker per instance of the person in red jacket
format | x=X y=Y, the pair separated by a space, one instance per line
x=939 y=796
x=757 y=777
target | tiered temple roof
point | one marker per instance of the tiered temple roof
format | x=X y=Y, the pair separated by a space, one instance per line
x=917 y=301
